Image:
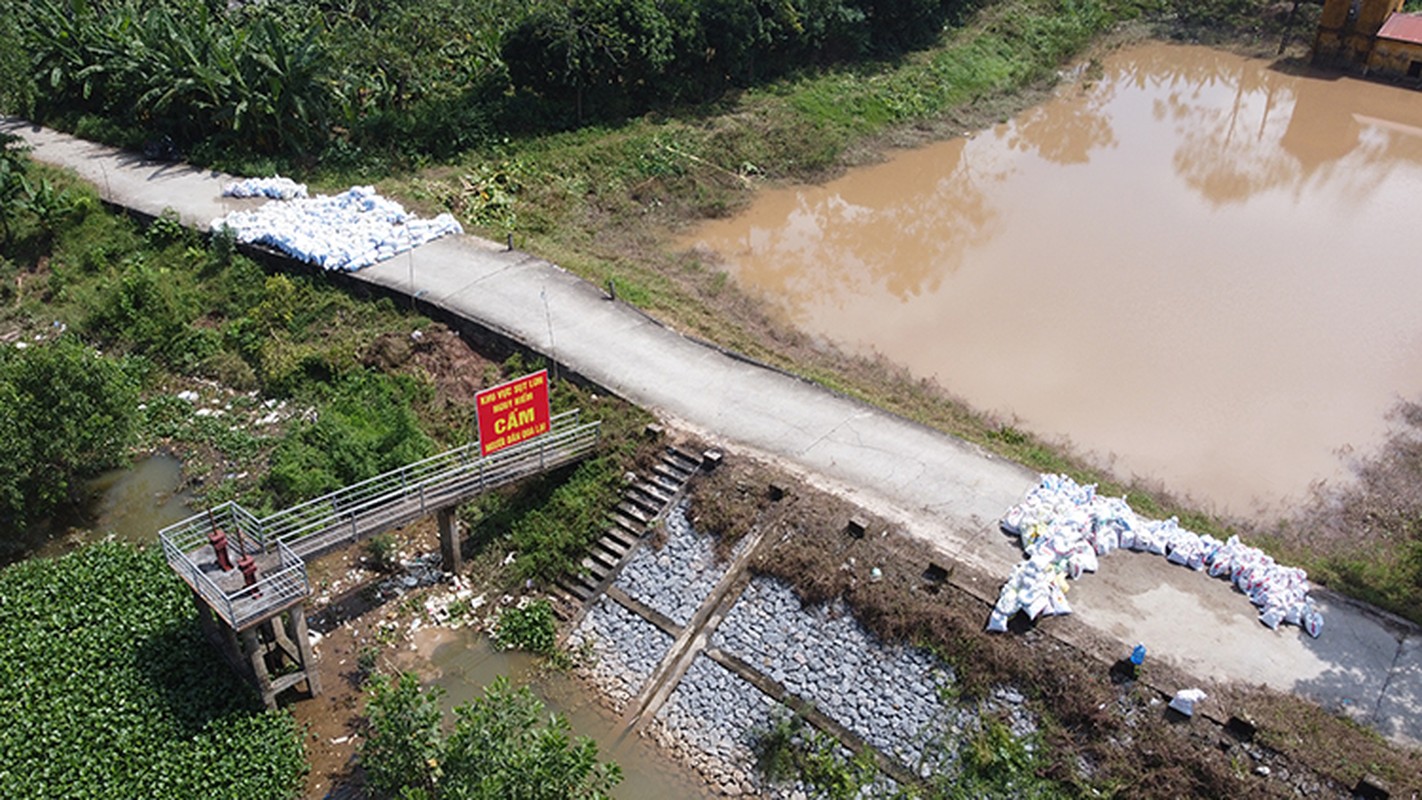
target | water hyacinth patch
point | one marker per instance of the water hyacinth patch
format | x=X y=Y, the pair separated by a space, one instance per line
x=108 y=689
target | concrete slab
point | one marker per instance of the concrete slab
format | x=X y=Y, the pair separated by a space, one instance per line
x=1398 y=714
x=128 y=179
x=936 y=487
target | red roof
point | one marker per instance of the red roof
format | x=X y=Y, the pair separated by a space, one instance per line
x=1402 y=28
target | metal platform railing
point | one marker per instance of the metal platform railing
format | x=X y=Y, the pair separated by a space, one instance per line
x=280 y=541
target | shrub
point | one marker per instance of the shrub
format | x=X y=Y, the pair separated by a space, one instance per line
x=365 y=427
x=551 y=538
x=65 y=413
x=499 y=747
x=383 y=551
x=529 y=627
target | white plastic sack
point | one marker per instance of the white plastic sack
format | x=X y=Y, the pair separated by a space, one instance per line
x=1065 y=527
x=277 y=188
x=346 y=232
x=1184 y=701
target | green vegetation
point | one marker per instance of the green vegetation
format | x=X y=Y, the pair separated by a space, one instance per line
x=65 y=413
x=529 y=627
x=366 y=427
x=549 y=521
x=500 y=747
x=791 y=751
x=988 y=761
x=992 y=762
x=1364 y=537
x=411 y=80
x=169 y=309
x=383 y=551
x=108 y=689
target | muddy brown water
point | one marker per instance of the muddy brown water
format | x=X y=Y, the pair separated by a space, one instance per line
x=463 y=662
x=1193 y=267
x=130 y=504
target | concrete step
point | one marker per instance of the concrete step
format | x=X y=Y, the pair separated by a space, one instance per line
x=684 y=460
x=665 y=483
x=625 y=523
x=642 y=501
x=575 y=588
x=598 y=563
x=618 y=538
x=658 y=494
x=671 y=472
x=634 y=512
x=608 y=549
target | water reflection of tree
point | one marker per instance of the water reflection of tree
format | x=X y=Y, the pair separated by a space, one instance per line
x=1066 y=130
x=1278 y=131
x=897 y=229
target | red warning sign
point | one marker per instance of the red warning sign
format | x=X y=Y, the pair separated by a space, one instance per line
x=512 y=412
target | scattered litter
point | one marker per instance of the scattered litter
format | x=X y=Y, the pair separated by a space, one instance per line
x=340 y=740
x=1184 y=701
x=188 y=396
x=277 y=188
x=345 y=233
x=1138 y=655
x=1065 y=528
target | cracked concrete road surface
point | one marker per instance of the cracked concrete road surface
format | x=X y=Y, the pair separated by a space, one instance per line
x=936 y=487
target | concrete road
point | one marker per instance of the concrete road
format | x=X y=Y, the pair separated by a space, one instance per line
x=938 y=488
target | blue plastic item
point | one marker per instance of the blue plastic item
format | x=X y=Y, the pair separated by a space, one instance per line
x=1138 y=655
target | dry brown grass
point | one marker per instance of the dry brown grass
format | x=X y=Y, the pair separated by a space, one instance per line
x=1102 y=736
x=1363 y=537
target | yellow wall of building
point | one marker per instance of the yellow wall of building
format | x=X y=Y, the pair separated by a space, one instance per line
x=1347 y=29
x=1393 y=59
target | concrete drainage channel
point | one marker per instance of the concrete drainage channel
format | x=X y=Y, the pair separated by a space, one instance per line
x=703 y=657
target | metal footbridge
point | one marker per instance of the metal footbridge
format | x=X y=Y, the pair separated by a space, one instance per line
x=281 y=542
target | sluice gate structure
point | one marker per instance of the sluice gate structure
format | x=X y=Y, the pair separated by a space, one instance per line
x=248 y=574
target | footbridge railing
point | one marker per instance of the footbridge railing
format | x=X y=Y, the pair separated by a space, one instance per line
x=280 y=543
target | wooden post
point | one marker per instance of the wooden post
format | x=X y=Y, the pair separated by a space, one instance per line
x=303 y=645
x=449 y=540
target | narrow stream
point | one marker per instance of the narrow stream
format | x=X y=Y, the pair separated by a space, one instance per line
x=1196 y=267
x=131 y=504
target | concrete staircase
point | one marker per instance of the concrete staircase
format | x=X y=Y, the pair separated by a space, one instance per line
x=645 y=500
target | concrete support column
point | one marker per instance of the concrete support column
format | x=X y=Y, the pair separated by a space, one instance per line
x=257 y=663
x=303 y=644
x=206 y=621
x=449 y=541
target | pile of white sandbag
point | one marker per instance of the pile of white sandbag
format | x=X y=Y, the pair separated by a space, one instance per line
x=346 y=232
x=277 y=188
x=1066 y=527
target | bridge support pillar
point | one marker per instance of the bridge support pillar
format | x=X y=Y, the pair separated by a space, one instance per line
x=449 y=541
x=279 y=645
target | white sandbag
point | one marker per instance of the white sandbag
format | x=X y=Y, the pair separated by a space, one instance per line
x=277 y=188
x=1313 y=621
x=1185 y=700
x=997 y=622
x=1065 y=528
x=346 y=232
